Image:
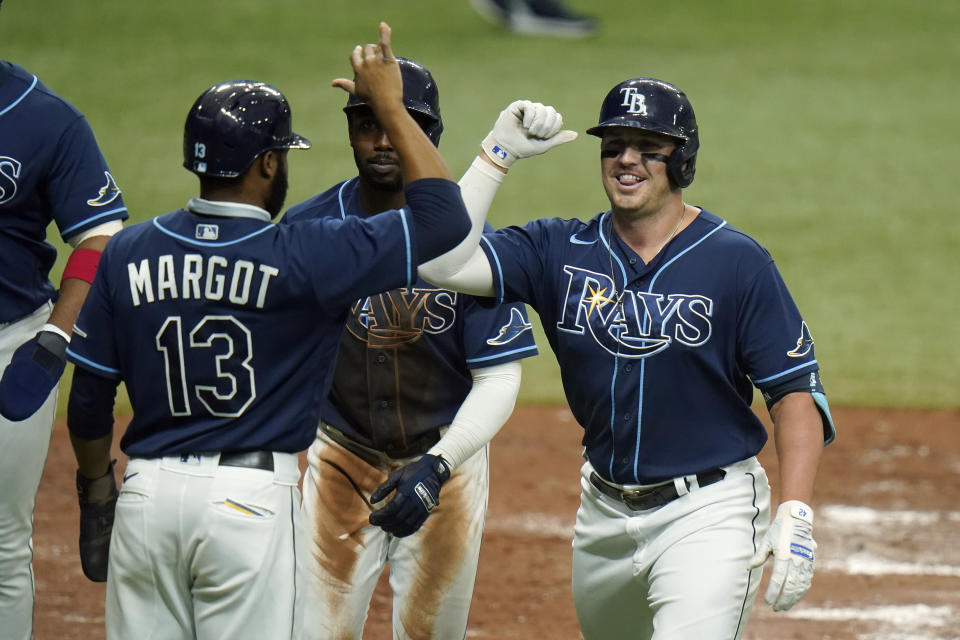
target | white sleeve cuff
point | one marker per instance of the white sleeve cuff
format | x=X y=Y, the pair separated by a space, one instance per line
x=106 y=229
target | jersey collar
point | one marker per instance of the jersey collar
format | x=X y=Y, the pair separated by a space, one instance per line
x=227 y=209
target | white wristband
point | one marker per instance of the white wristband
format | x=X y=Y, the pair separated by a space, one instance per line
x=496 y=152
x=57 y=330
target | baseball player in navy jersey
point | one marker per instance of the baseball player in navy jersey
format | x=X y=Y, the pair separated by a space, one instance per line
x=51 y=169
x=424 y=378
x=224 y=328
x=663 y=317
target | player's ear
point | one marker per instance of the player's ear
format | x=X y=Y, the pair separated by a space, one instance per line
x=268 y=164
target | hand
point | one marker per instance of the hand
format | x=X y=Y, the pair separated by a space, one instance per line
x=418 y=493
x=790 y=540
x=98 y=501
x=32 y=374
x=376 y=74
x=525 y=129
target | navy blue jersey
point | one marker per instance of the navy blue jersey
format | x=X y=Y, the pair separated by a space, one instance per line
x=51 y=169
x=658 y=360
x=225 y=327
x=404 y=363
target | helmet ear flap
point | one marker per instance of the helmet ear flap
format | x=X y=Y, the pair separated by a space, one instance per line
x=681 y=166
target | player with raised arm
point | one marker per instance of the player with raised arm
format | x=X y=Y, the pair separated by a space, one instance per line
x=224 y=328
x=663 y=317
x=51 y=170
x=425 y=378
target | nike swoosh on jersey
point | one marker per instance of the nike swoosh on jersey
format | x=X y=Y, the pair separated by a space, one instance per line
x=575 y=240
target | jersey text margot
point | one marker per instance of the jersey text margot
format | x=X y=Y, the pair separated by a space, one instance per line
x=196 y=277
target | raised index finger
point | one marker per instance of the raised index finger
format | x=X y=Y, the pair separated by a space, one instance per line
x=385 y=41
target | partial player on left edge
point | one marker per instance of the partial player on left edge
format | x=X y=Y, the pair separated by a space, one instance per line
x=51 y=170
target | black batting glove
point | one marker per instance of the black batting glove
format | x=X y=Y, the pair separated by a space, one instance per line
x=98 y=501
x=32 y=374
x=418 y=493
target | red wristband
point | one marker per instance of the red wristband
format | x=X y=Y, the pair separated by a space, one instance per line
x=82 y=264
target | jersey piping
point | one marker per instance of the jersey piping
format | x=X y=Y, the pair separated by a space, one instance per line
x=343 y=208
x=67 y=231
x=91 y=363
x=201 y=243
x=496 y=259
x=643 y=363
x=24 y=95
x=784 y=373
x=501 y=355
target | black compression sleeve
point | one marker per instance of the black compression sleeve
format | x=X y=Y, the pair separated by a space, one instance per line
x=90 y=408
x=808 y=382
x=439 y=216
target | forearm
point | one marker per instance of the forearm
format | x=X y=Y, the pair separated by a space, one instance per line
x=90 y=421
x=798 y=434
x=73 y=291
x=93 y=456
x=484 y=411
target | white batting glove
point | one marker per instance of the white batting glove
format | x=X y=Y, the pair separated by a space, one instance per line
x=790 y=540
x=525 y=129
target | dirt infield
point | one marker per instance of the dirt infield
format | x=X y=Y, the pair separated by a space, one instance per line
x=887 y=508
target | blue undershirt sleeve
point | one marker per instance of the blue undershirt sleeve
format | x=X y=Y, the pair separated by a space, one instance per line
x=90 y=408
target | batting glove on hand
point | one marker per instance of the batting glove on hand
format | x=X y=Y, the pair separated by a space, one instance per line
x=525 y=129
x=32 y=374
x=418 y=493
x=790 y=540
x=98 y=501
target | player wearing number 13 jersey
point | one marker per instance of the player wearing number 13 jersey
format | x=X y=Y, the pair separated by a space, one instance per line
x=224 y=328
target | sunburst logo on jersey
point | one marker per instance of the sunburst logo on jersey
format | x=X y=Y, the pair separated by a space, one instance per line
x=597 y=298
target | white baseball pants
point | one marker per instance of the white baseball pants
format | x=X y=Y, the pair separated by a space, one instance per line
x=432 y=572
x=205 y=551
x=676 y=572
x=23 y=447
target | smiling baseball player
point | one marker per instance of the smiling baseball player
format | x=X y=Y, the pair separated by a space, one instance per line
x=51 y=170
x=663 y=318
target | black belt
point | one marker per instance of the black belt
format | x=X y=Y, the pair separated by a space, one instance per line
x=643 y=499
x=371 y=454
x=262 y=460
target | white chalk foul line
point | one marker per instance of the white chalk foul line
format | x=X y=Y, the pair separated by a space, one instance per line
x=913 y=615
x=545 y=525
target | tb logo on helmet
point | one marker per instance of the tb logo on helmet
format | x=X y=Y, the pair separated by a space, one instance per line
x=634 y=101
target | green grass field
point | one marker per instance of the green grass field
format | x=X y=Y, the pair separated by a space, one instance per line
x=827 y=133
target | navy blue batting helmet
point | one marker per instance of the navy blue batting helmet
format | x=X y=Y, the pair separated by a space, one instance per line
x=654 y=105
x=234 y=122
x=420 y=96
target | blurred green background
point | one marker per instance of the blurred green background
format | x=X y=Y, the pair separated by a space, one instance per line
x=827 y=129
